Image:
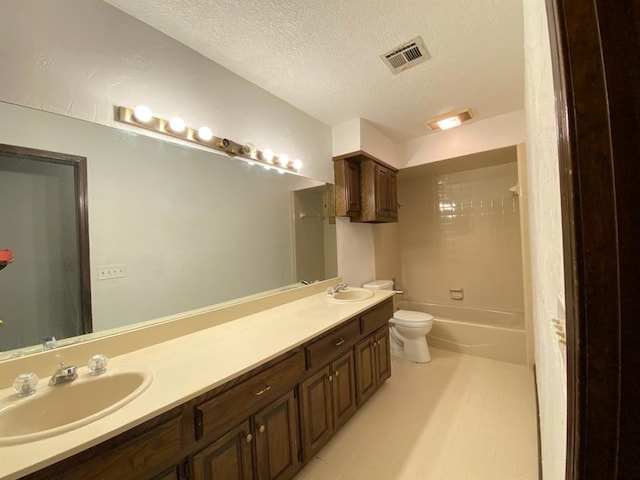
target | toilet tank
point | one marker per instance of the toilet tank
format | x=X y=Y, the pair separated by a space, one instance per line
x=379 y=285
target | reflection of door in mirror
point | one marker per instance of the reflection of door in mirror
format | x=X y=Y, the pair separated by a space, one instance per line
x=45 y=291
x=315 y=244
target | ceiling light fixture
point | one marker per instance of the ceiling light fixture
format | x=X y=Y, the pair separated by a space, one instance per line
x=142 y=117
x=449 y=120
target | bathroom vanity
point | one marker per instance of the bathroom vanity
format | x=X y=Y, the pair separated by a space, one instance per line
x=261 y=423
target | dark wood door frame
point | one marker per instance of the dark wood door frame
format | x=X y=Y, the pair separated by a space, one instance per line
x=79 y=165
x=595 y=48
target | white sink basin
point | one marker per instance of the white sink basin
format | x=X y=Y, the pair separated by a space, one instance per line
x=54 y=410
x=350 y=295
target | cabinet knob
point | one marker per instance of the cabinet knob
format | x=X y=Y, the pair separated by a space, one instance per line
x=330 y=378
x=261 y=429
x=338 y=342
x=337 y=373
x=248 y=437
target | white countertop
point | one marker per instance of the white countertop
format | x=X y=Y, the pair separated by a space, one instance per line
x=186 y=367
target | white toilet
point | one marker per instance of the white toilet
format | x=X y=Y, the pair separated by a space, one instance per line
x=407 y=329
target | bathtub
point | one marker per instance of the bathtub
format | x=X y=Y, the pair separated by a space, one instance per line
x=493 y=334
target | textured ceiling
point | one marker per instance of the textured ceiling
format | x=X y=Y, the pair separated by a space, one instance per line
x=322 y=56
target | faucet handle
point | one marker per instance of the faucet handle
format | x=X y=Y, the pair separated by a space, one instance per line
x=25 y=384
x=98 y=364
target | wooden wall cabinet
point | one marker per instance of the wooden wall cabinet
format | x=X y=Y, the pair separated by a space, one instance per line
x=347 y=187
x=373 y=181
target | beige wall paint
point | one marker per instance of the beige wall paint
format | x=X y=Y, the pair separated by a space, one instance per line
x=83 y=57
x=545 y=237
x=387 y=247
x=461 y=229
x=477 y=136
x=523 y=192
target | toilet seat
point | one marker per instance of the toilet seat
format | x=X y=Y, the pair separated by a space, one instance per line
x=407 y=318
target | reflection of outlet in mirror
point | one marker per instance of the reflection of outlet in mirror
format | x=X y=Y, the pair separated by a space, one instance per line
x=107 y=272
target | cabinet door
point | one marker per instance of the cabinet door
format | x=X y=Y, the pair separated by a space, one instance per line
x=317 y=418
x=343 y=388
x=382 y=355
x=347 y=188
x=353 y=187
x=276 y=428
x=392 y=185
x=381 y=178
x=228 y=458
x=365 y=369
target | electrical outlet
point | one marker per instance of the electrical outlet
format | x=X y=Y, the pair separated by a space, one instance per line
x=107 y=272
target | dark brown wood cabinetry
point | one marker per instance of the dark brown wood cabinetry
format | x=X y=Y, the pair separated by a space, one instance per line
x=373 y=363
x=276 y=427
x=347 y=176
x=328 y=400
x=230 y=457
x=374 y=183
x=262 y=425
x=140 y=453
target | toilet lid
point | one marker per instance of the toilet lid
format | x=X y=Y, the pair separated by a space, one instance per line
x=408 y=317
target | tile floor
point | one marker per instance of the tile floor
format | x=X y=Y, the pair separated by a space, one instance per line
x=456 y=418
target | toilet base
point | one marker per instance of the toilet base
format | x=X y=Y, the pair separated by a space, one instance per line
x=415 y=350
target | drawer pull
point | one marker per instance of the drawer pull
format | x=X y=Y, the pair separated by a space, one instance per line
x=248 y=437
x=260 y=392
x=261 y=429
x=338 y=342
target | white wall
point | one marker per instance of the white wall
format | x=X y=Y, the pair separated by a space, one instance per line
x=376 y=143
x=478 y=136
x=345 y=138
x=81 y=57
x=545 y=237
x=356 y=259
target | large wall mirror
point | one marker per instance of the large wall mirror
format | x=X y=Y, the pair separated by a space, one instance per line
x=188 y=228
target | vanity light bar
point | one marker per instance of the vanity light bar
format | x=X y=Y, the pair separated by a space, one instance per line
x=142 y=117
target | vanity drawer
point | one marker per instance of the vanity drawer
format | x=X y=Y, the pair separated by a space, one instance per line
x=216 y=416
x=377 y=317
x=325 y=349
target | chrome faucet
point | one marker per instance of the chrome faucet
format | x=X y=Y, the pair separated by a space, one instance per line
x=332 y=291
x=64 y=374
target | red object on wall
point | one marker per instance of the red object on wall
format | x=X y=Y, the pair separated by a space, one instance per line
x=6 y=257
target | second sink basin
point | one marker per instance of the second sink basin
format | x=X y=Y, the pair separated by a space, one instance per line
x=54 y=410
x=350 y=295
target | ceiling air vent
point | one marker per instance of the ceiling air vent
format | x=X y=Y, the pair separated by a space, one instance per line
x=405 y=56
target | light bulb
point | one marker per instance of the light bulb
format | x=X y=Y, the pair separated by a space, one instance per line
x=297 y=164
x=267 y=155
x=447 y=123
x=142 y=113
x=176 y=124
x=283 y=160
x=205 y=134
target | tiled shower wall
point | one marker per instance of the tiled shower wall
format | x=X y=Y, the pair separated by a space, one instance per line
x=461 y=230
